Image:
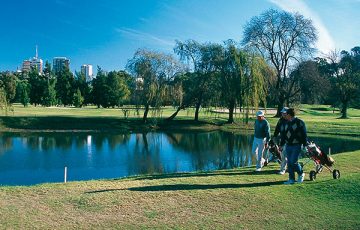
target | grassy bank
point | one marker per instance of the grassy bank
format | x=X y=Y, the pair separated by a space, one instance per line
x=227 y=199
x=319 y=120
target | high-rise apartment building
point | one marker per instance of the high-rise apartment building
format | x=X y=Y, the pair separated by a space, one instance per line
x=34 y=62
x=87 y=70
x=59 y=63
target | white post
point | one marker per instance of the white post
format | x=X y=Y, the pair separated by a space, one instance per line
x=65 y=174
x=329 y=151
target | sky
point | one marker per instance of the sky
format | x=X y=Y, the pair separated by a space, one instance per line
x=107 y=33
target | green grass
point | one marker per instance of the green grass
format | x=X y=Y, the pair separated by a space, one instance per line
x=226 y=199
x=319 y=120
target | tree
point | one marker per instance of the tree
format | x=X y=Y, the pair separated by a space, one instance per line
x=22 y=92
x=153 y=71
x=254 y=85
x=346 y=78
x=65 y=86
x=99 y=88
x=48 y=81
x=201 y=80
x=283 y=39
x=231 y=63
x=118 y=89
x=8 y=83
x=78 y=99
x=84 y=87
x=36 y=87
x=313 y=85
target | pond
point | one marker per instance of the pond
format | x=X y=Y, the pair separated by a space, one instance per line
x=38 y=158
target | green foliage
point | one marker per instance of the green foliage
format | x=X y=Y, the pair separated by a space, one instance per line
x=345 y=78
x=49 y=82
x=111 y=89
x=78 y=99
x=8 y=83
x=4 y=106
x=65 y=87
x=153 y=72
x=22 y=92
x=84 y=87
x=36 y=87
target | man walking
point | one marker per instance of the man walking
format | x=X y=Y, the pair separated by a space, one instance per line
x=280 y=128
x=261 y=138
x=294 y=136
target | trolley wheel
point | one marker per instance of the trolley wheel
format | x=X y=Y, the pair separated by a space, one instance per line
x=312 y=175
x=336 y=174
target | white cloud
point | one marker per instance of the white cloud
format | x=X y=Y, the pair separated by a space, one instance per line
x=145 y=37
x=325 y=42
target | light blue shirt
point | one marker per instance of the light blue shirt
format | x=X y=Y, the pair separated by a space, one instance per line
x=262 y=129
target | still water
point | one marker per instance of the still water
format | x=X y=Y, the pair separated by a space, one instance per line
x=39 y=158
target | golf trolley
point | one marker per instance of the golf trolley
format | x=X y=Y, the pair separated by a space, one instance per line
x=321 y=161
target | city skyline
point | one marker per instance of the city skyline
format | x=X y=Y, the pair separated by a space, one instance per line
x=108 y=33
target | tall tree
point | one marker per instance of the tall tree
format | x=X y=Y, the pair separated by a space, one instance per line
x=200 y=63
x=83 y=86
x=254 y=86
x=36 y=87
x=65 y=86
x=8 y=83
x=99 y=88
x=153 y=71
x=119 y=91
x=231 y=62
x=346 y=78
x=313 y=85
x=283 y=39
x=22 y=92
x=48 y=83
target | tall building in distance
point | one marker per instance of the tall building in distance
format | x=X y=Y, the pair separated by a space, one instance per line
x=59 y=63
x=34 y=62
x=87 y=70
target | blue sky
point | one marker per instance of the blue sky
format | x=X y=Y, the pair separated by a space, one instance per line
x=108 y=32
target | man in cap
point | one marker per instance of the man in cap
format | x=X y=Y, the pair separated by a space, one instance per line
x=279 y=129
x=261 y=138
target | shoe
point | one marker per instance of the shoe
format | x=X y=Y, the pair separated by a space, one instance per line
x=281 y=172
x=262 y=162
x=289 y=182
x=258 y=170
x=301 y=177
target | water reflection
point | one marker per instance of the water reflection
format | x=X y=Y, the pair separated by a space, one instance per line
x=37 y=158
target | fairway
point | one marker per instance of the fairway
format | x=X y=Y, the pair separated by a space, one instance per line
x=231 y=199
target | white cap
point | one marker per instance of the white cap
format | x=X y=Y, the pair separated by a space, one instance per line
x=284 y=110
x=259 y=113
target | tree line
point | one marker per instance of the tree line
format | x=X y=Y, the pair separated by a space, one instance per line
x=273 y=66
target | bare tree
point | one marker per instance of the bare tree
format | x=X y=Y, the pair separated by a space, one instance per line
x=283 y=39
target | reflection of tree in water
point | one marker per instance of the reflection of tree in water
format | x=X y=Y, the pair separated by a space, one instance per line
x=110 y=139
x=145 y=157
x=115 y=140
x=6 y=143
x=214 y=150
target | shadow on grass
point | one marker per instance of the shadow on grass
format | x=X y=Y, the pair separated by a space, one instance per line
x=181 y=187
x=205 y=174
x=177 y=187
